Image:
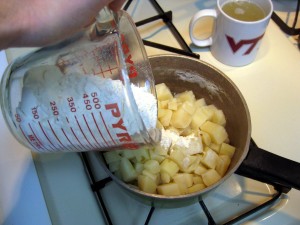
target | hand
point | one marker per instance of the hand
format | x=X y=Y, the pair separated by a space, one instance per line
x=29 y=23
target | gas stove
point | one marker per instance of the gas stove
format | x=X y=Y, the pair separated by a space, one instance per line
x=76 y=190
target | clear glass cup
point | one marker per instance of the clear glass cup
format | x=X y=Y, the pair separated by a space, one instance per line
x=93 y=91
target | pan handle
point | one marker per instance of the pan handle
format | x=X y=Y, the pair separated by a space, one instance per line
x=267 y=167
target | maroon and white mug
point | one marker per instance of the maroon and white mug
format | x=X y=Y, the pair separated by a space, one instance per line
x=234 y=41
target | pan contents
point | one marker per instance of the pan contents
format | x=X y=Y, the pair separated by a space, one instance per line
x=194 y=151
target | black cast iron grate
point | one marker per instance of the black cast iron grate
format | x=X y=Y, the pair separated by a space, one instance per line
x=98 y=185
x=290 y=30
x=166 y=17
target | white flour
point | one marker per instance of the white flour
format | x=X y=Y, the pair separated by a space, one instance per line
x=78 y=113
x=172 y=141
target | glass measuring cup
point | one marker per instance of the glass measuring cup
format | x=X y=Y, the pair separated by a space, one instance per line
x=93 y=91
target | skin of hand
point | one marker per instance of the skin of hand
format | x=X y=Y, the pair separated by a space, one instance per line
x=29 y=23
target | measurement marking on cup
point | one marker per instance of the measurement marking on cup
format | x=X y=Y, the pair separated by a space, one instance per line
x=83 y=133
x=69 y=139
x=107 y=129
x=46 y=136
x=91 y=131
x=78 y=139
x=27 y=138
x=99 y=130
x=57 y=138
x=96 y=58
x=76 y=136
x=41 y=144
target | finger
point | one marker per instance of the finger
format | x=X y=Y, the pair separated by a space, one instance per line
x=116 y=5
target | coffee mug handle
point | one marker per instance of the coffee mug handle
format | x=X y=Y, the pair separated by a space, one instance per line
x=195 y=18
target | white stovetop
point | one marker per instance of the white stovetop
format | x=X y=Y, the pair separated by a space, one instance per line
x=270 y=85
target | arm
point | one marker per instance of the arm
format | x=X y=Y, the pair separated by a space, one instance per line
x=39 y=22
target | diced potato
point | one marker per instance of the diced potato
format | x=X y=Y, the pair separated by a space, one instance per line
x=142 y=154
x=165 y=178
x=217 y=132
x=210 y=159
x=196 y=188
x=155 y=156
x=127 y=170
x=159 y=125
x=227 y=149
x=184 y=180
x=215 y=147
x=223 y=164
x=166 y=118
x=189 y=107
x=159 y=105
x=154 y=177
x=163 y=92
x=210 y=177
x=114 y=166
x=219 y=117
x=164 y=104
x=139 y=167
x=205 y=138
x=146 y=184
x=200 y=102
x=186 y=96
x=169 y=167
x=162 y=112
x=111 y=156
x=200 y=169
x=186 y=163
x=187 y=131
x=129 y=154
x=198 y=118
x=194 y=162
x=170 y=189
x=197 y=180
x=172 y=104
x=178 y=157
x=209 y=110
x=152 y=166
x=180 y=118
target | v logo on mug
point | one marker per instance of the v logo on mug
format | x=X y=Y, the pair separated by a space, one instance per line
x=236 y=46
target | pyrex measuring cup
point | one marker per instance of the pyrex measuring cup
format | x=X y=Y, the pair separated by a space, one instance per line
x=93 y=91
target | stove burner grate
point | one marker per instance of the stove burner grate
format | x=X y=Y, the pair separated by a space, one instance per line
x=167 y=19
x=290 y=30
x=98 y=185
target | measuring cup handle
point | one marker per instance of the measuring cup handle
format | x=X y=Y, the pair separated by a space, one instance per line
x=194 y=20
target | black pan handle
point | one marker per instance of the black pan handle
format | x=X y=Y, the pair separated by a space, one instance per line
x=269 y=168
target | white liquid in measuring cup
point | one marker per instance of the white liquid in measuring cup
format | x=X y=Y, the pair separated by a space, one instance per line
x=59 y=112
